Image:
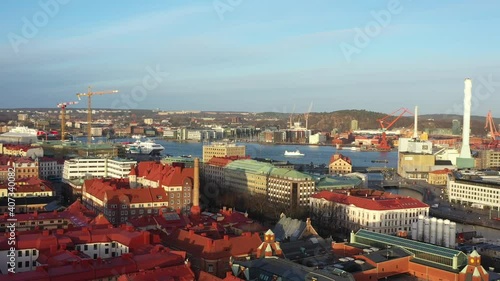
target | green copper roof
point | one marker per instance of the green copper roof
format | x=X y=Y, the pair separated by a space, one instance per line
x=250 y=166
x=287 y=173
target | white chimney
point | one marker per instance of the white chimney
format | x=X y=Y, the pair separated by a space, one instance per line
x=465 y=152
x=415 y=124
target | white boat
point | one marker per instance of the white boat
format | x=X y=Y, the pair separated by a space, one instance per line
x=144 y=147
x=355 y=148
x=293 y=153
x=138 y=137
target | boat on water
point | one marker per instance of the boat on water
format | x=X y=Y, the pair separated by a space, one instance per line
x=380 y=161
x=293 y=153
x=148 y=147
x=138 y=137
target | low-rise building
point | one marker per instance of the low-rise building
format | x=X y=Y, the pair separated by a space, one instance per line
x=22 y=150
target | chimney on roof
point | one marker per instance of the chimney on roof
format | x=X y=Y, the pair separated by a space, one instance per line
x=195 y=209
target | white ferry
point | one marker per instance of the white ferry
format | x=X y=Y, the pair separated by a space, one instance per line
x=293 y=153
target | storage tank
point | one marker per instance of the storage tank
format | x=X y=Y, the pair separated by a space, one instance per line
x=414 y=230
x=427 y=230
x=446 y=233
x=433 y=231
x=453 y=234
x=439 y=232
x=420 y=228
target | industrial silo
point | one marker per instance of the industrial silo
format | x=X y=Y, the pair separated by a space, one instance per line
x=414 y=231
x=420 y=228
x=427 y=230
x=433 y=231
x=453 y=234
x=439 y=232
x=446 y=233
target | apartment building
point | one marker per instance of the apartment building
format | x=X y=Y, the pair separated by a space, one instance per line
x=118 y=202
x=222 y=150
x=290 y=187
x=50 y=168
x=354 y=209
x=175 y=180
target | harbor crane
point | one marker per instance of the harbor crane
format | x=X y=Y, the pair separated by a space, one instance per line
x=63 y=106
x=386 y=125
x=306 y=115
x=89 y=95
x=494 y=134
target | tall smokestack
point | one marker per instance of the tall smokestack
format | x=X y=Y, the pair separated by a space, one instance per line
x=465 y=160
x=415 y=124
x=195 y=209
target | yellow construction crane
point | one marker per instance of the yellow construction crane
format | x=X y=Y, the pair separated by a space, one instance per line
x=89 y=95
x=62 y=106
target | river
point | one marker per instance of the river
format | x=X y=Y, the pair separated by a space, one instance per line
x=312 y=153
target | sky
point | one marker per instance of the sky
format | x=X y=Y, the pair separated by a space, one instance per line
x=242 y=55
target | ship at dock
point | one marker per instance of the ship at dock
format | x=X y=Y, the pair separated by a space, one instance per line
x=146 y=147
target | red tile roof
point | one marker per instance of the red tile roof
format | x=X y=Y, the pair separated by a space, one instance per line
x=164 y=174
x=118 y=190
x=370 y=199
x=338 y=156
x=202 y=246
x=223 y=161
x=440 y=172
x=32 y=184
x=178 y=272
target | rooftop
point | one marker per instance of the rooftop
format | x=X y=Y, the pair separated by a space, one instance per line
x=370 y=199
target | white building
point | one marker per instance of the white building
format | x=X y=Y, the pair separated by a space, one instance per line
x=317 y=138
x=97 y=167
x=148 y=121
x=415 y=146
x=477 y=193
x=222 y=150
x=354 y=209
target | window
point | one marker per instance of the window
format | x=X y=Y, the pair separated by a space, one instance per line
x=35 y=252
x=86 y=247
x=210 y=268
x=27 y=253
x=20 y=264
x=106 y=251
x=27 y=264
x=95 y=246
x=19 y=253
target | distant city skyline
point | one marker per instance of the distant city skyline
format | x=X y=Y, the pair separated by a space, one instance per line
x=251 y=56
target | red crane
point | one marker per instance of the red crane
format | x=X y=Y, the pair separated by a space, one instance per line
x=386 y=124
x=494 y=134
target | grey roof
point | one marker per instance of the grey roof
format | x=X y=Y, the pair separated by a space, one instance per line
x=288 y=228
x=265 y=269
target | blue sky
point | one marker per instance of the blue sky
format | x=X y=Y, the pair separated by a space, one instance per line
x=251 y=55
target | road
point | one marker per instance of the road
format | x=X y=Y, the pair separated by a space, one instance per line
x=433 y=194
